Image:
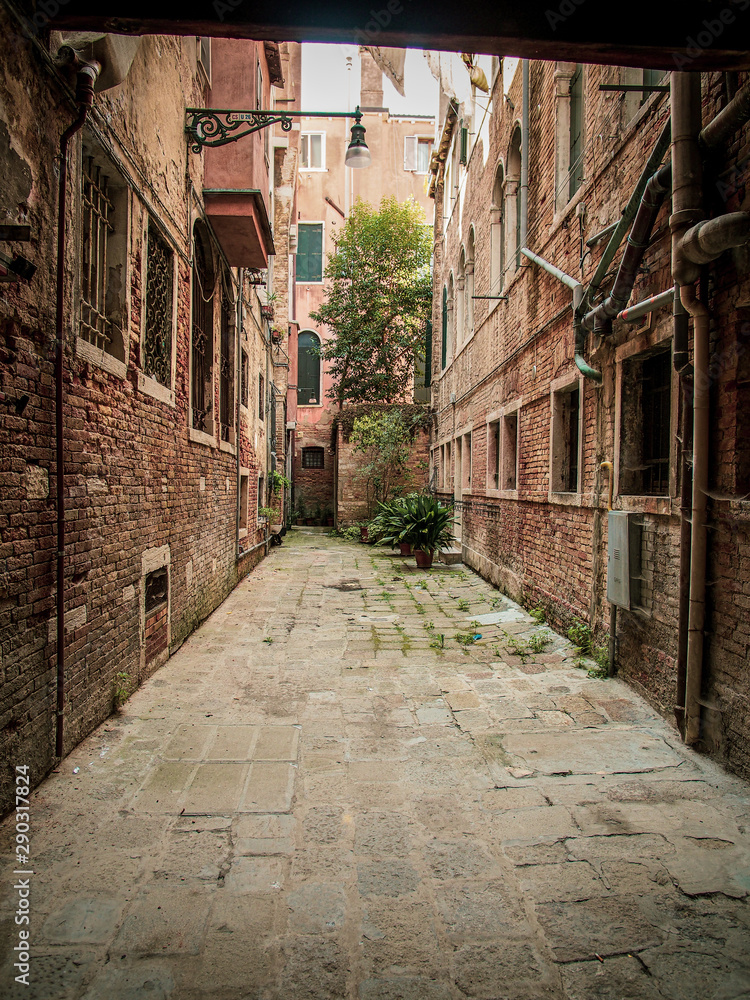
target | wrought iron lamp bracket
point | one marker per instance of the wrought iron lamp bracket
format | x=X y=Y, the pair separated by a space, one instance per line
x=213 y=127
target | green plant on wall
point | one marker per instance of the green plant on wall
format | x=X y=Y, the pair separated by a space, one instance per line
x=121 y=689
x=279 y=482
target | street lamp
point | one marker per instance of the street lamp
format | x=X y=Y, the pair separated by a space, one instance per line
x=215 y=127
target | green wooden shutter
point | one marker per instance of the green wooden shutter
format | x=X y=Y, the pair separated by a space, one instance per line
x=576 y=131
x=310 y=251
x=308 y=363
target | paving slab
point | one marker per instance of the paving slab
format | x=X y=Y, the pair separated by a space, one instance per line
x=287 y=821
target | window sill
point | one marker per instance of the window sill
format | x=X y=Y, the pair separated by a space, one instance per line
x=150 y=387
x=493 y=494
x=566 y=498
x=643 y=505
x=313 y=170
x=228 y=447
x=96 y=356
x=201 y=437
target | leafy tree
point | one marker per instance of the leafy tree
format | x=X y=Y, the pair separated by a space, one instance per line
x=378 y=301
x=385 y=439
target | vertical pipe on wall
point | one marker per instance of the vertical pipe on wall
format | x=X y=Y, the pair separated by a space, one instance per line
x=238 y=342
x=86 y=79
x=525 y=153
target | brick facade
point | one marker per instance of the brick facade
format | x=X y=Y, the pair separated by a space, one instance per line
x=151 y=500
x=539 y=535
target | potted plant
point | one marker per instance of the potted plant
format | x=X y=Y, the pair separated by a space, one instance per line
x=389 y=525
x=427 y=526
x=266 y=513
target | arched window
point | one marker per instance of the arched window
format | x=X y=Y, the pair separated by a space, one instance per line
x=444 y=348
x=513 y=197
x=308 y=365
x=451 y=319
x=202 y=333
x=461 y=299
x=497 y=233
x=469 y=285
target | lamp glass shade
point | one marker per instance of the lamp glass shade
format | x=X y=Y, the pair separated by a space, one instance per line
x=358 y=155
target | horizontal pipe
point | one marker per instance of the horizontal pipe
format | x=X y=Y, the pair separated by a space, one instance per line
x=599 y=237
x=566 y=279
x=635 y=312
x=710 y=238
x=728 y=121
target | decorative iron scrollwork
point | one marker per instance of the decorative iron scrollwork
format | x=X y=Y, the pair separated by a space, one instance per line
x=211 y=127
x=158 y=339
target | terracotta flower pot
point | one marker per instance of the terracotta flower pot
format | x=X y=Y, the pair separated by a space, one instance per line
x=424 y=559
x=363 y=533
x=405 y=548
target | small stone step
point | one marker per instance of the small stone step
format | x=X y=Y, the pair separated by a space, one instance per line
x=450 y=556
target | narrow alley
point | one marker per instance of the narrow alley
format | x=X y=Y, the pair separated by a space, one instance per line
x=334 y=790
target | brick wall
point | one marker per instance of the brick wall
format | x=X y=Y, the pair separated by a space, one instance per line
x=142 y=491
x=544 y=547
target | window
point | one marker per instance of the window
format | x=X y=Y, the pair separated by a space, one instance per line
x=466 y=462
x=569 y=132
x=204 y=58
x=261 y=397
x=202 y=333
x=313 y=458
x=312 y=151
x=157 y=347
x=259 y=498
x=565 y=439
x=509 y=467
x=512 y=198
x=576 y=132
x=469 y=285
x=227 y=362
x=244 y=493
x=502 y=452
x=308 y=364
x=103 y=256
x=461 y=300
x=417 y=150
x=245 y=379
x=310 y=251
x=497 y=234
x=444 y=342
x=645 y=430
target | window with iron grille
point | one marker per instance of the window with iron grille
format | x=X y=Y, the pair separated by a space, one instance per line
x=157 y=348
x=226 y=364
x=245 y=376
x=645 y=431
x=272 y=418
x=202 y=346
x=313 y=458
x=103 y=254
x=261 y=397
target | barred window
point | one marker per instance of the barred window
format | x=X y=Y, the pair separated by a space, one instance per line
x=103 y=254
x=261 y=398
x=202 y=333
x=227 y=363
x=157 y=362
x=312 y=458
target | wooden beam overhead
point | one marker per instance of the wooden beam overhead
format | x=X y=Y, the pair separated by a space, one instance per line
x=691 y=35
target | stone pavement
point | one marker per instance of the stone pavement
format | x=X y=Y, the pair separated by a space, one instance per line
x=318 y=797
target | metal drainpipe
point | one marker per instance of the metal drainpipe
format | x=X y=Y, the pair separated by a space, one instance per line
x=685 y=372
x=686 y=212
x=238 y=518
x=525 y=153
x=698 y=539
x=85 y=81
x=578 y=293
